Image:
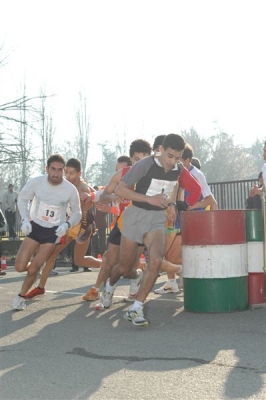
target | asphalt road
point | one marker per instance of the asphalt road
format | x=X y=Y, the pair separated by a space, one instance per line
x=59 y=347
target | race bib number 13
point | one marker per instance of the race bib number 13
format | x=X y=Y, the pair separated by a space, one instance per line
x=49 y=213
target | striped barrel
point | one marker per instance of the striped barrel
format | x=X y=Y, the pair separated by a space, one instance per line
x=214 y=253
x=254 y=234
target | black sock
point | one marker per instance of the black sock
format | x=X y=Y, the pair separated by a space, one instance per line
x=20 y=295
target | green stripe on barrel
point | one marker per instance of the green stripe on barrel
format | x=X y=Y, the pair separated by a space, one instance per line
x=254 y=226
x=216 y=295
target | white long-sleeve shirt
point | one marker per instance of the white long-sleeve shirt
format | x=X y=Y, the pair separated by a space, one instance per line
x=49 y=203
x=264 y=176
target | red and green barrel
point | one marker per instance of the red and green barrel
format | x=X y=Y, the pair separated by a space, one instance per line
x=214 y=252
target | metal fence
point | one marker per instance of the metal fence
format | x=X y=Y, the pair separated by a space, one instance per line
x=229 y=195
x=232 y=195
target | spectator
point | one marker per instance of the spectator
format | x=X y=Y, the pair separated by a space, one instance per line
x=9 y=204
x=256 y=189
x=254 y=202
x=2 y=233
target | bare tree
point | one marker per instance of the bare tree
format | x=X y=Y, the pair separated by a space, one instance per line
x=10 y=116
x=17 y=146
x=82 y=139
x=24 y=144
x=121 y=149
x=46 y=131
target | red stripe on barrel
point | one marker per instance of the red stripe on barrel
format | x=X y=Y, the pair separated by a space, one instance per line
x=217 y=227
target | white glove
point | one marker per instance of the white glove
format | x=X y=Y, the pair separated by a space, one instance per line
x=62 y=230
x=26 y=227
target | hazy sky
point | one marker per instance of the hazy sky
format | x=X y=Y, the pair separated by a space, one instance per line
x=147 y=67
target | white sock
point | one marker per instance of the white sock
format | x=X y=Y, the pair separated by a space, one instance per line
x=108 y=287
x=137 y=304
x=172 y=281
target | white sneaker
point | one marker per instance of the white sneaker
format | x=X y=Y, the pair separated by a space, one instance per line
x=134 y=286
x=53 y=272
x=168 y=287
x=106 y=298
x=136 y=317
x=19 y=303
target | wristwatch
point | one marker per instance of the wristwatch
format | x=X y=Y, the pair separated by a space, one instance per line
x=171 y=204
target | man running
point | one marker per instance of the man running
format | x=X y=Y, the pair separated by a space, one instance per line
x=81 y=232
x=144 y=222
x=44 y=222
x=138 y=149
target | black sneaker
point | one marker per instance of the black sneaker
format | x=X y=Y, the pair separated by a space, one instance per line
x=74 y=269
x=86 y=269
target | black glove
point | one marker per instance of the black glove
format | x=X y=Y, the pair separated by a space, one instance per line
x=181 y=205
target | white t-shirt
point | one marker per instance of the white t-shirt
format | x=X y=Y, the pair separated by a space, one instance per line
x=49 y=203
x=198 y=174
x=264 y=176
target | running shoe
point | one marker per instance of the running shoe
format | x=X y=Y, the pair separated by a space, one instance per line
x=19 y=303
x=131 y=297
x=34 y=292
x=134 y=286
x=168 y=287
x=74 y=269
x=91 y=295
x=87 y=228
x=106 y=298
x=136 y=317
x=2 y=273
x=53 y=272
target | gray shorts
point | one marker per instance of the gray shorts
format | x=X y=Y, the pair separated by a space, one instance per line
x=137 y=222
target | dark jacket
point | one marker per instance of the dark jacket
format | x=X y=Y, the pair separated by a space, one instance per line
x=253 y=202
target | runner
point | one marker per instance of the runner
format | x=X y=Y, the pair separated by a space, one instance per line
x=44 y=222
